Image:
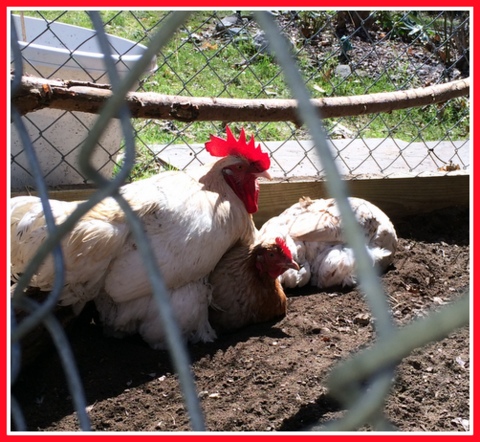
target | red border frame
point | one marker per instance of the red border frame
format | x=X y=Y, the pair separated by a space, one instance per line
x=227 y=4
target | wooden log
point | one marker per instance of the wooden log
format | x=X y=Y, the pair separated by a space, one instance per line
x=38 y=93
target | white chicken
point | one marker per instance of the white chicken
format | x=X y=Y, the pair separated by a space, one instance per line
x=312 y=230
x=191 y=220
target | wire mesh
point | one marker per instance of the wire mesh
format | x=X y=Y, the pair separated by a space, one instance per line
x=309 y=46
x=217 y=54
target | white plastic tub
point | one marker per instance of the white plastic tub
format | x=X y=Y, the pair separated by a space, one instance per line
x=66 y=52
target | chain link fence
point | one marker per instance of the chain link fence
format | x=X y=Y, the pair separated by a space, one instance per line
x=225 y=54
x=350 y=51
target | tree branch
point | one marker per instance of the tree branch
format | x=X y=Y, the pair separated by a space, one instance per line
x=38 y=93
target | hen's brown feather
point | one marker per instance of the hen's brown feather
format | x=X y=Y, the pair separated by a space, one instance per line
x=241 y=294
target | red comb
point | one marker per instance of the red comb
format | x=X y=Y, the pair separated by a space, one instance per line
x=283 y=245
x=219 y=147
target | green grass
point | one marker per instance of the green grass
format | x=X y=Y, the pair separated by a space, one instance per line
x=197 y=64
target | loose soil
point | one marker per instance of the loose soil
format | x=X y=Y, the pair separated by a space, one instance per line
x=271 y=377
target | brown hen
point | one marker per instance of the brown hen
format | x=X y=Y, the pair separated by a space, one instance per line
x=245 y=285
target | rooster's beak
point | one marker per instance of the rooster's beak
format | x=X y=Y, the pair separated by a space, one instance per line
x=264 y=174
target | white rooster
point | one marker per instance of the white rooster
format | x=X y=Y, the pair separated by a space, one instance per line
x=312 y=230
x=191 y=220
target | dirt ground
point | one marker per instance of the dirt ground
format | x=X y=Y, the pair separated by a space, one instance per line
x=271 y=377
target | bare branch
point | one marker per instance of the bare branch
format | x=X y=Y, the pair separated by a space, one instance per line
x=37 y=93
